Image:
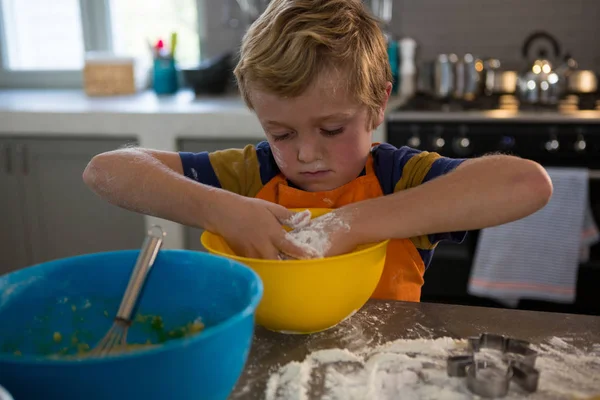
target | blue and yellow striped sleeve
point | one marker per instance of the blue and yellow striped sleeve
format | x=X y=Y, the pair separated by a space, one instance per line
x=242 y=171
x=405 y=168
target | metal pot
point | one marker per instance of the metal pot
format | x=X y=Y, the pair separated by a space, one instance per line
x=448 y=77
x=581 y=81
x=444 y=76
x=575 y=81
x=539 y=83
x=498 y=81
x=469 y=78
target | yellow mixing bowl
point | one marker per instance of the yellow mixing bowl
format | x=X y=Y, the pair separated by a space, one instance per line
x=307 y=296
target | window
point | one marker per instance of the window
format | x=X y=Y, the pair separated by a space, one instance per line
x=135 y=23
x=42 y=34
x=43 y=42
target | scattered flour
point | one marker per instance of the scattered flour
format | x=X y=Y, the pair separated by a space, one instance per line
x=416 y=369
x=313 y=238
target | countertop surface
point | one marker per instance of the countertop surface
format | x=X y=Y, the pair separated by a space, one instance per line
x=75 y=102
x=156 y=121
x=379 y=322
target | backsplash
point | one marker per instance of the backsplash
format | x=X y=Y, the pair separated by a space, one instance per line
x=487 y=28
x=498 y=28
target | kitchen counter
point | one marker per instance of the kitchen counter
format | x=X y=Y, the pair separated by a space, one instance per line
x=157 y=121
x=381 y=321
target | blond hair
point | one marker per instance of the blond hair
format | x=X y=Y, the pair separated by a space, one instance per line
x=294 y=41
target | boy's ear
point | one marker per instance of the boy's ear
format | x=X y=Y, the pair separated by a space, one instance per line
x=381 y=114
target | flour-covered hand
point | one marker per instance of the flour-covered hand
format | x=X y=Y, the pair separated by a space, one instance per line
x=254 y=228
x=328 y=235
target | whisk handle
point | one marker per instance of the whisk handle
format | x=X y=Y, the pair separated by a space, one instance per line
x=145 y=260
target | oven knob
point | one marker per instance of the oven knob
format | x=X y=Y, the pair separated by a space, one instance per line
x=462 y=145
x=552 y=145
x=414 y=141
x=580 y=144
x=438 y=142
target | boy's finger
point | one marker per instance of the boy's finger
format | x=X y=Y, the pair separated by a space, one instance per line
x=244 y=251
x=269 y=253
x=289 y=249
x=292 y=219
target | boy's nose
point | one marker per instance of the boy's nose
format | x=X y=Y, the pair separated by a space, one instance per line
x=308 y=153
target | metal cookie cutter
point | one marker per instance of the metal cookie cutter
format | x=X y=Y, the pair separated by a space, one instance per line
x=487 y=380
x=525 y=376
x=513 y=350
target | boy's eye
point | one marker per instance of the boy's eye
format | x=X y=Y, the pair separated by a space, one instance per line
x=332 y=132
x=280 y=137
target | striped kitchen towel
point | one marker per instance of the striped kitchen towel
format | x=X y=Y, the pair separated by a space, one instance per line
x=536 y=257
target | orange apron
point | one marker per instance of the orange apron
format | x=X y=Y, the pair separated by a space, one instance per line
x=402 y=275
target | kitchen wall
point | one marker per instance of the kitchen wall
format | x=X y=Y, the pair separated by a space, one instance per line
x=487 y=28
x=498 y=28
x=219 y=38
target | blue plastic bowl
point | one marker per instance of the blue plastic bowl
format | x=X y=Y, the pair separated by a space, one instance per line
x=81 y=295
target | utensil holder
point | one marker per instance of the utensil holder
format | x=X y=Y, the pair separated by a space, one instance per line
x=165 y=79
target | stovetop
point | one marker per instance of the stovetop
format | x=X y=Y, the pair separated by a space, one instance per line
x=570 y=104
x=568 y=131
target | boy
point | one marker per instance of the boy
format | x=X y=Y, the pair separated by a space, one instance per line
x=316 y=74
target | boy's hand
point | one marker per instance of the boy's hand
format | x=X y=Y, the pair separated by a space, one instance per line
x=254 y=228
x=328 y=235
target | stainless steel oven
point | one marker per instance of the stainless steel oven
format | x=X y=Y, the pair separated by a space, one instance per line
x=550 y=139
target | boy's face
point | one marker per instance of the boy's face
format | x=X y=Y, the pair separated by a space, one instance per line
x=321 y=139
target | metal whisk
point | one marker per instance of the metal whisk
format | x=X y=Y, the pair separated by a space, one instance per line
x=116 y=338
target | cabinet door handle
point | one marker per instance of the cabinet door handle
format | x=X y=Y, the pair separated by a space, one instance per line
x=8 y=159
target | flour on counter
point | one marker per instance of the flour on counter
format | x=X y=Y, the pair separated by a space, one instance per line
x=313 y=238
x=416 y=369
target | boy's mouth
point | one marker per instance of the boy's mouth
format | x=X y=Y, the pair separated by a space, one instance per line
x=315 y=174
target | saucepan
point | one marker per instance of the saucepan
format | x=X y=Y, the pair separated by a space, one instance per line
x=581 y=81
x=437 y=77
x=498 y=81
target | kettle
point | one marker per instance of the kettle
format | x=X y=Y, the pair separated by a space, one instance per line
x=539 y=83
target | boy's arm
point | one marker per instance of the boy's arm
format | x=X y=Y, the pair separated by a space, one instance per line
x=479 y=193
x=152 y=182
